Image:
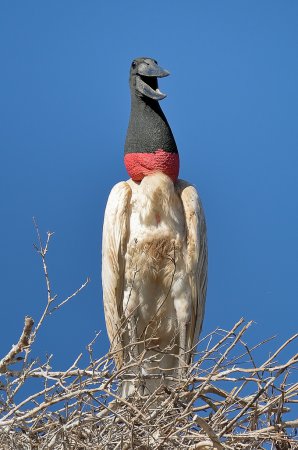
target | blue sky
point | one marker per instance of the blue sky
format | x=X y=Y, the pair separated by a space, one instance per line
x=233 y=107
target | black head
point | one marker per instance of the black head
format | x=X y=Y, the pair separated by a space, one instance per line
x=143 y=78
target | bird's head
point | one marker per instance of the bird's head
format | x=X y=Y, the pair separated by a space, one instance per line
x=143 y=78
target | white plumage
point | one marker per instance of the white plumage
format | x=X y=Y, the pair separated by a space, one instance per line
x=154 y=272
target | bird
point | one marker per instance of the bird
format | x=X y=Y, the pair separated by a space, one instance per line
x=154 y=245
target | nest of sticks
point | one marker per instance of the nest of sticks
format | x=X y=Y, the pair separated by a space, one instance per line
x=224 y=400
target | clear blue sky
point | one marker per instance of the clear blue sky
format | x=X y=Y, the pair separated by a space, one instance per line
x=64 y=108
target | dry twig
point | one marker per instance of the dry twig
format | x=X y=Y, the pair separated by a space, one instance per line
x=217 y=405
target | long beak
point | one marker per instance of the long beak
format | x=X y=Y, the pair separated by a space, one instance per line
x=146 y=79
x=151 y=69
x=146 y=90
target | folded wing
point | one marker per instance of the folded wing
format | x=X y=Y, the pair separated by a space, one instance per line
x=114 y=242
x=196 y=256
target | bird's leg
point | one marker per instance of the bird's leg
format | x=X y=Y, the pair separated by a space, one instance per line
x=130 y=307
x=182 y=303
x=182 y=349
x=135 y=352
x=133 y=337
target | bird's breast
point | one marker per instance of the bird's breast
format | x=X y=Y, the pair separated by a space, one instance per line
x=150 y=268
x=154 y=259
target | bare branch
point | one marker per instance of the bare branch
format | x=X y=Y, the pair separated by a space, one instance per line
x=216 y=404
x=23 y=342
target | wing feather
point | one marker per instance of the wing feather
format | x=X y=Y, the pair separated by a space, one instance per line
x=196 y=256
x=114 y=242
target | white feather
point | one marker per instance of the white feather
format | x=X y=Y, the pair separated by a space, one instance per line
x=154 y=267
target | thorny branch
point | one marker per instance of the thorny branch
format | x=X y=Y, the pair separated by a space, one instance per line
x=217 y=405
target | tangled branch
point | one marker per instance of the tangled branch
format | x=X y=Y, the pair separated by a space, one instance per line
x=225 y=400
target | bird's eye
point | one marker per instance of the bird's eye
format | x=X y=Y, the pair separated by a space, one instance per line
x=133 y=65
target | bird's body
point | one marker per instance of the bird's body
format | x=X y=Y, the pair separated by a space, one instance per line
x=154 y=255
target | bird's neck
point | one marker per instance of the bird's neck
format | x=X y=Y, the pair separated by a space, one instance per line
x=148 y=128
